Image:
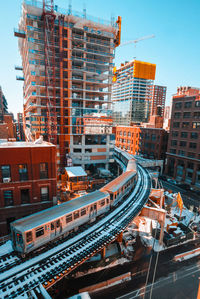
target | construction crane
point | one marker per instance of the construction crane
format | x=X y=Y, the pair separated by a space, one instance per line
x=48 y=17
x=135 y=41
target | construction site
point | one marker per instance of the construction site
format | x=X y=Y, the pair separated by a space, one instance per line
x=67 y=62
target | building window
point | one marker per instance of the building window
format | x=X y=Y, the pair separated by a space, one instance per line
x=197 y=103
x=44 y=170
x=178 y=105
x=176 y=124
x=197 y=114
x=44 y=193
x=8 y=198
x=25 y=198
x=177 y=115
x=6 y=176
x=193 y=145
x=194 y=135
x=185 y=124
x=195 y=125
x=188 y=105
x=183 y=143
x=184 y=134
x=23 y=172
x=186 y=115
x=174 y=133
x=173 y=142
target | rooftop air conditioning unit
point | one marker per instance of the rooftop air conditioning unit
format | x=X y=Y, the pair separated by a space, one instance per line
x=6 y=180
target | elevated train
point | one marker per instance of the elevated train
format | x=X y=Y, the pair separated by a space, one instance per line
x=34 y=231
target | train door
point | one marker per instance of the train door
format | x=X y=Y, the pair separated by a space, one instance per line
x=53 y=230
x=95 y=209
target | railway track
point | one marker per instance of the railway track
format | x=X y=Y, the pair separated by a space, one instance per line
x=49 y=267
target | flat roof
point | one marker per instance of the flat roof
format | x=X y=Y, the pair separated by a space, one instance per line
x=53 y=213
x=75 y=171
x=17 y=144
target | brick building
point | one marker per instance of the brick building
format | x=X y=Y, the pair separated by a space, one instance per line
x=183 y=153
x=158 y=100
x=7 y=128
x=149 y=142
x=27 y=180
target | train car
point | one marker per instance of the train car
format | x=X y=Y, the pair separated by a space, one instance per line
x=132 y=165
x=120 y=187
x=34 y=231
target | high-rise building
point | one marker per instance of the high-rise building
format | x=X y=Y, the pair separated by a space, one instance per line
x=67 y=60
x=183 y=153
x=132 y=92
x=3 y=105
x=158 y=100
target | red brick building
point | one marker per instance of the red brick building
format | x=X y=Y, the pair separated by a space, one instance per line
x=27 y=180
x=183 y=153
x=149 y=142
x=7 y=128
x=158 y=100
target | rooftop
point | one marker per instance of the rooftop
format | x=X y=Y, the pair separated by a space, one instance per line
x=75 y=171
x=24 y=144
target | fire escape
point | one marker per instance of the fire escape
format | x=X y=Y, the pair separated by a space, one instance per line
x=49 y=55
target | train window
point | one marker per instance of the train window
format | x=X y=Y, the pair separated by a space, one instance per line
x=102 y=202
x=39 y=232
x=58 y=223
x=52 y=226
x=29 y=237
x=83 y=212
x=76 y=214
x=68 y=218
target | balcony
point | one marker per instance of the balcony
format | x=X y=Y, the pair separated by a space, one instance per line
x=19 y=33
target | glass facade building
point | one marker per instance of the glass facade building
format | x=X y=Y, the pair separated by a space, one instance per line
x=132 y=92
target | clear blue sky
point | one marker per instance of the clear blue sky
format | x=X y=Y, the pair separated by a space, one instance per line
x=175 y=49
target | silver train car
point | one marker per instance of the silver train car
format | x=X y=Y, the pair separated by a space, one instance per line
x=34 y=231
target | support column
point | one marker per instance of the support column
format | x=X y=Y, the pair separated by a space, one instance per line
x=162 y=225
x=103 y=252
x=119 y=237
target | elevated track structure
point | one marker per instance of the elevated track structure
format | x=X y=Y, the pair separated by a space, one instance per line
x=43 y=271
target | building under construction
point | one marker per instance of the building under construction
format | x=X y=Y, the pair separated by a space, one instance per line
x=67 y=60
x=132 y=92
